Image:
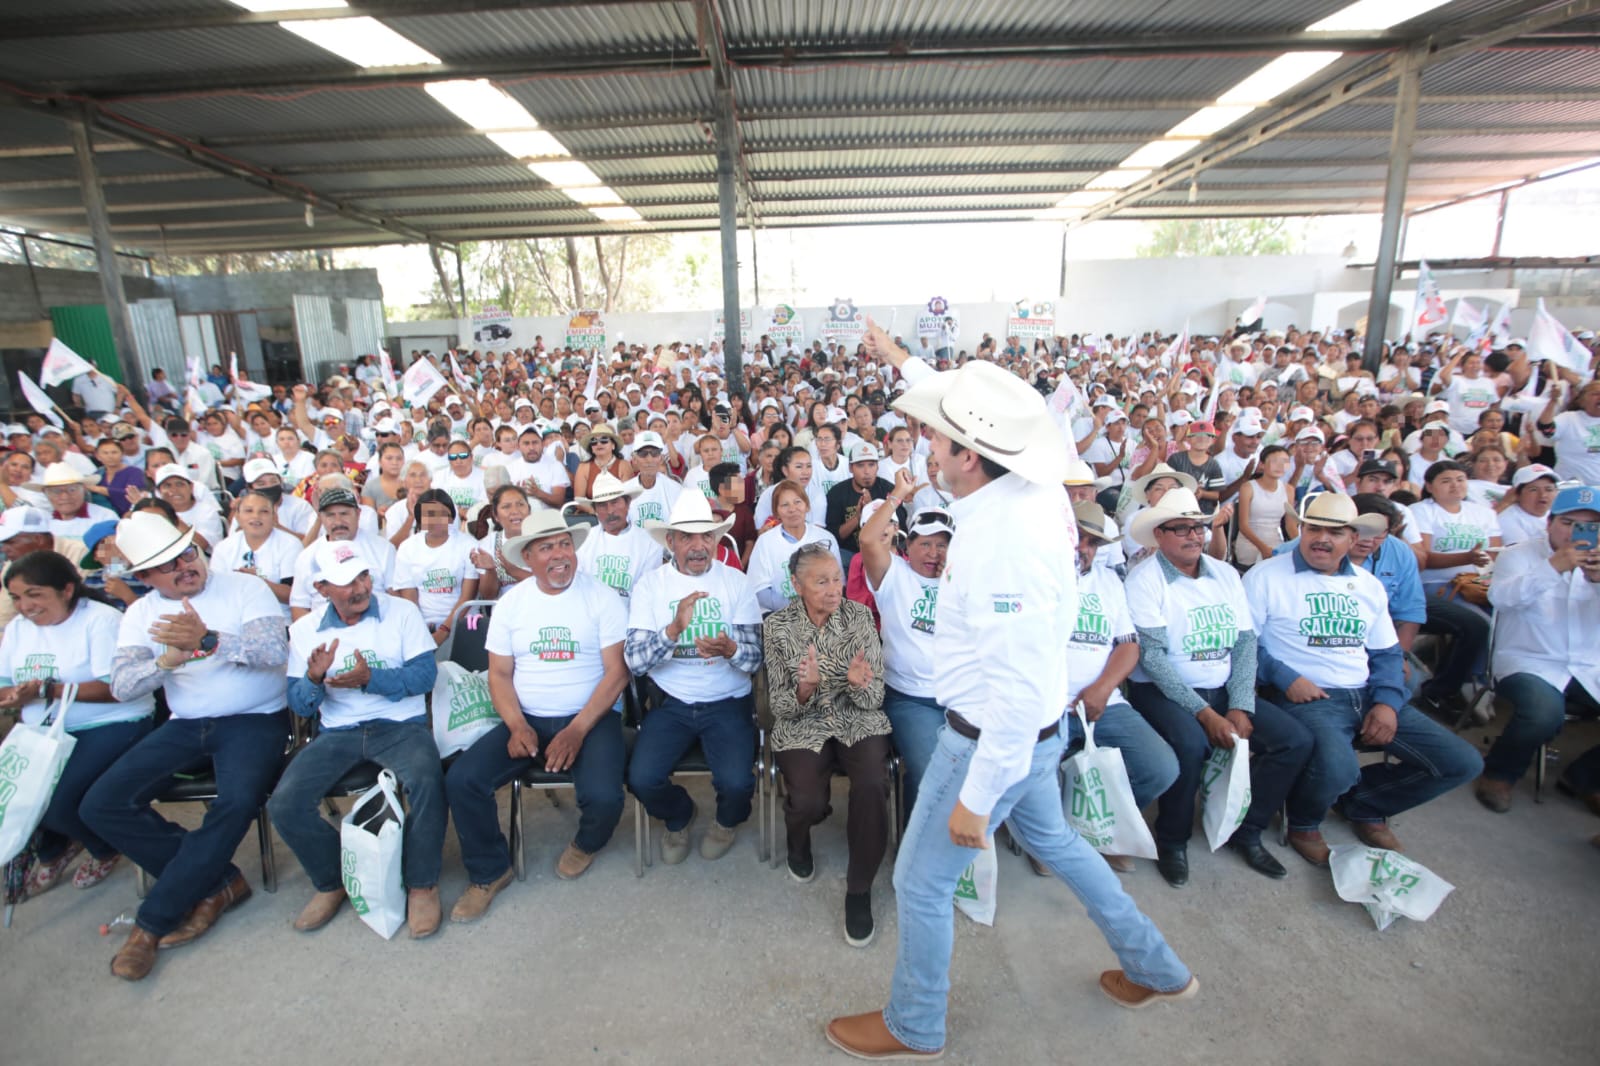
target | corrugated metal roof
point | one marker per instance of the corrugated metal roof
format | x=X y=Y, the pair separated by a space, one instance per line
x=617 y=29
x=218 y=48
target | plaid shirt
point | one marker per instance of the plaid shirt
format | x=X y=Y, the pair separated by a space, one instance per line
x=647 y=648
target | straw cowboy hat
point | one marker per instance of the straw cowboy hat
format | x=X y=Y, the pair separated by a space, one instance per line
x=146 y=539
x=607 y=487
x=1335 y=510
x=57 y=475
x=1160 y=471
x=1093 y=520
x=691 y=514
x=996 y=414
x=1178 y=503
x=538 y=526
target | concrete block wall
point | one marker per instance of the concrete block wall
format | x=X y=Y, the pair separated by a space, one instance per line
x=251 y=292
x=59 y=288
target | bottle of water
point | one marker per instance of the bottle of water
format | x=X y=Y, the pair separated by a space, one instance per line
x=120 y=923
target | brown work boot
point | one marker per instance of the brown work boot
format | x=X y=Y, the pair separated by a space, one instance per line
x=1376 y=835
x=422 y=912
x=320 y=910
x=866 y=1037
x=1128 y=993
x=476 y=899
x=1495 y=795
x=1310 y=845
x=574 y=863
x=715 y=844
x=207 y=911
x=135 y=958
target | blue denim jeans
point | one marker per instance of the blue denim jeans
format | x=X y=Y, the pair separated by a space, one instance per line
x=916 y=721
x=1467 y=630
x=95 y=750
x=409 y=750
x=727 y=735
x=1279 y=748
x=930 y=864
x=1151 y=765
x=480 y=771
x=246 y=752
x=1538 y=711
x=1432 y=761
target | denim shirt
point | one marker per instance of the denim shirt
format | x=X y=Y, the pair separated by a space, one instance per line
x=414 y=677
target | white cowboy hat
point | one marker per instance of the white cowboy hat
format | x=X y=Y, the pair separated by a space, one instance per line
x=1335 y=510
x=606 y=487
x=1159 y=471
x=1078 y=473
x=996 y=414
x=1178 y=503
x=146 y=539
x=538 y=526
x=691 y=514
x=57 y=475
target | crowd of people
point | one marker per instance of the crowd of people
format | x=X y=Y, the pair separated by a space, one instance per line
x=930 y=556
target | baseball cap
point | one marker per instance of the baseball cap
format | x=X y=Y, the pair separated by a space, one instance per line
x=872 y=508
x=385 y=426
x=1377 y=467
x=1533 y=472
x=1203 y=429
x=1571 y=498
x=1309 y=434
x=649 y=439
x=1302 y=413
x=172 y=470
x=1436 y=407
x=339 y=562
x=338 y=498
x=1179 y=417
x=257 y=467
x=20 y=521
x=836 y=414
x=1115 y=416
x=865 y=453
x=930 y=520
x=1248 y=423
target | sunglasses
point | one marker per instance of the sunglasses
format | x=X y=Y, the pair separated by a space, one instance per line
x=458 y=455
x=1189 y=530
x=188 y=555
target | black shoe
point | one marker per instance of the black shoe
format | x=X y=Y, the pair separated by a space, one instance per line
x=1258 y=858
x=858 y=930
x=802 y=868
x=1173 y=862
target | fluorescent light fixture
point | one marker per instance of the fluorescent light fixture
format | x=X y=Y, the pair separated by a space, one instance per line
x=1160 y=153
x=529 y=144
x=482 y=105
x=593 y=196
x=1277 y=78
x=616 y=214
x=1374 y=15
x=566 y=175
x=1209 y=120
x=364 y=41
x=1084 y=198
x=260 y=6
x=1118 y=179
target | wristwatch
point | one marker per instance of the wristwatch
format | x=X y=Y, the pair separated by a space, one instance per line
x=208 y=643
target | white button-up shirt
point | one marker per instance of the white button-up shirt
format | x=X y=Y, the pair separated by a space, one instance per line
x=1545 y=622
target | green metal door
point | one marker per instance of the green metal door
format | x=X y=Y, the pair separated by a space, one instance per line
x=86 y=329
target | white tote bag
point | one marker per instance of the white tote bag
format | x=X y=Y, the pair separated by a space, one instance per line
x=1225 y=791
x=462 y=709
x=31 y=761
x=370 y=839
x=1098 y=800
x=975 y=890
x=1386 y=883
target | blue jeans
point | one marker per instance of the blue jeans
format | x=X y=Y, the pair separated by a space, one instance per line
x=408 y=749
x=95 y=750
x=916 y=721
x=1538 y=711
x=930 y=864
x=1151 y=765
x=1432 y=761
x=1467 y=630
x=246 y=753
x=480 y=771
x=1279 y=749
x=726 y=734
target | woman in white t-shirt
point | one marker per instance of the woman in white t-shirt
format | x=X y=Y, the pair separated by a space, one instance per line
x=1531 y=495
x=434 y=568
x=1487 y=485
x=902 y=456
x=416 y=479
x=61 y=636
x=259 y=547
x=1467 y=390
x=1575 y=434
x=501 y=520
x=794 y=465
x=1456 y=533
x=769 y=559
x=462 y=481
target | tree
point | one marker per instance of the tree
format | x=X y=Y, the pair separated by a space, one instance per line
x=1221 y=236
x=243 y=262
x=555 y=275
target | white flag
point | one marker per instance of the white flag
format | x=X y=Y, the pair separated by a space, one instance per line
x=461 y=376
x=62 y=364
x=388 y=373
x=1501 y=326
x=38 y=400
x=1470 y=316
x=1428 y=312
x=1549 y=339
x=420 y=382
x=1178 y=349
x=1254 y=311
x=590 y=386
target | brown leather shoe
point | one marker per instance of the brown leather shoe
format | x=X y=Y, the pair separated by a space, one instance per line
x=1123 y=864
x=320 y=910
x=866 y=1037
x=207 y=911
x=1376 y=835
x=476 y=899
x=422 y=912
x=1037 y=867
x=1134 y=996
x=136 y=957
x=1310 y=845
x=1495 y=795
x=574 y=863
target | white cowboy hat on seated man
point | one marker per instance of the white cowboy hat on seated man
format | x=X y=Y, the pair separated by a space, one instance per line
x=58 y=475
x=146 y=539
x=996 y=414
x=691 y=514
x=1177 y=503
x=607 y=488
x=539 y=526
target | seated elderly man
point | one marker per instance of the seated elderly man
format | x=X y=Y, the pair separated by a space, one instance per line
x=694 y=629
x=71 y=513
x=215 y=642
x=340 y=514
x=1328 y=651
x=825 y=676
x=555 y=671
x=364 y=666
x=616 y=552
x=1546 y=595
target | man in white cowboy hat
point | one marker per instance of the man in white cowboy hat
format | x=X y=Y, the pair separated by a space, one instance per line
x=364 y=667
x=1330 y=655
x=339 y=511
x=694 y=629
x=1007 y=605
x=71 y=513
x=616 y=552
x=1196 y=683
x=657 y=492
x=197 y=510
x=556 y=670
x=215 y=642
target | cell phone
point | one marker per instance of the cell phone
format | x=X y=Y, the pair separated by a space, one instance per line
x=1369 y=454
x=1586 y=536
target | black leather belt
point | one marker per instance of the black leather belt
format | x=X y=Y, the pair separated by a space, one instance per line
x=964 y=728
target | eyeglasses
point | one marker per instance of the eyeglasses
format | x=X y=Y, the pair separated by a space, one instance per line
x=1194 y=529
x=453 y=456
x=188 y=555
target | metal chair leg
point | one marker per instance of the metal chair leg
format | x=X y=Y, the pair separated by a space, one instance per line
x=141 y=887
x=638 y=838
x=517 y=858
x=269 y=864
x=1541 y=761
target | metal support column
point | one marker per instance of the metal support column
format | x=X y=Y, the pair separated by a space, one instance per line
x=1500 y=223
x=1394 y=205
x=105 y=252
x=728 y=212
x=461 y=284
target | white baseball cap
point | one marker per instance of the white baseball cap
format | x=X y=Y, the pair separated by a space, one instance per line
x=257 y=467
x=21 y=521
x=1248 y=423
x=339 y=562
x=1531 y=472
x=649 y=439
x=170 y=471
x=1302 y=414
x=865 y=453
x=1309 y=433
x=1436 y=407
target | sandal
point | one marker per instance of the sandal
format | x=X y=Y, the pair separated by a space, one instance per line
x=92 y=871
x=45 y=875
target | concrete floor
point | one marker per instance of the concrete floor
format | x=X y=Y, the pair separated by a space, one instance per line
x=730 y=962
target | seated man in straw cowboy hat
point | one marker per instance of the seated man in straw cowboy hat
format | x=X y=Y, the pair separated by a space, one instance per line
x=694 y=628
x=616 y=552
x=71 y=513
x=556 y=670
x=215 y=642
x=1007 y=605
